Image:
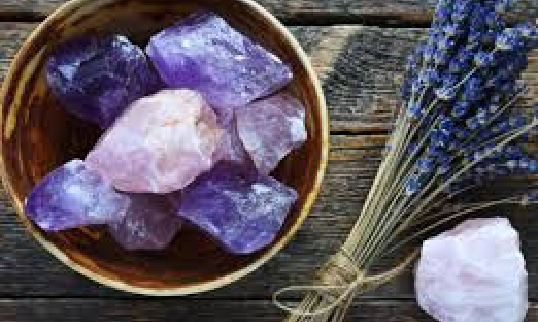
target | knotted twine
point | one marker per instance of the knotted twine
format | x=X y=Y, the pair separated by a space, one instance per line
x=339 y=278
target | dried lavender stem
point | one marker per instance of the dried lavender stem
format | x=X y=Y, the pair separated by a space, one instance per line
x=448 y=219
x=519 y=133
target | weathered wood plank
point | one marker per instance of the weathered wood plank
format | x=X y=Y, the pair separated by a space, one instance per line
x=165 y=310
x=304 y=12
x=309 y=11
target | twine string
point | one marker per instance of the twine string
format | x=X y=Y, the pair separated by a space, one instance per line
x=338 y=279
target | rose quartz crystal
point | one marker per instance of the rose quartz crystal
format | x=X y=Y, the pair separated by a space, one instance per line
x=473 y=273
x=160 y=144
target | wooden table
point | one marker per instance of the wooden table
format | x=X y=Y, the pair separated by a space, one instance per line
x=358 y=48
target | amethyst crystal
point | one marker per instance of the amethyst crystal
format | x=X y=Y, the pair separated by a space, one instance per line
x=271 y=128
x=205 y=53
x=241 y=209
x=97 y=77
x=232 y=148
x=74 y=196
x=149 y=224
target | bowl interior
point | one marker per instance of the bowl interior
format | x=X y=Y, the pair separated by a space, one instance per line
x=38 y=135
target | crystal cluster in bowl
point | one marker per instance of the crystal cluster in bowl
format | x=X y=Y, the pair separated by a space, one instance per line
x=193 y=128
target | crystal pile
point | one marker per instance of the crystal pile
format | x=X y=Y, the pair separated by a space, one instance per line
x=473 y=273
x=196 y=146
x=97 y=77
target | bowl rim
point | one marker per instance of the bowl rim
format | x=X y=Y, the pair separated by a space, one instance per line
x=222 y=280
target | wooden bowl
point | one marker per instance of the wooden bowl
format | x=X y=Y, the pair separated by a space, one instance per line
x=38 y=136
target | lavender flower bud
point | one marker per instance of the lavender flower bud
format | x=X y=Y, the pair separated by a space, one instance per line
x=426 y=165
x=461 y=10
x=441 y=57
x=507 y=40
x=446 y=44
x=483 y=59
x=460 y=109
x=503 y=6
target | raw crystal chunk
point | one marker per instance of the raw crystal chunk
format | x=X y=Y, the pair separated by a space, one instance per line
x=473 y=273
x=205 y=53
x=150 y=223
x=160 y=144
x=241 y=209
x=271 y=128
x=232 y=148
x=97 y=77
x=73 y=196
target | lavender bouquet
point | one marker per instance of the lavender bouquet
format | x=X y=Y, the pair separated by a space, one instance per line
x=461 y=125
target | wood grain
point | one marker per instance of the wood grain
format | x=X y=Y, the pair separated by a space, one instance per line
x=95 y=310
x=172 y=310
x=299 y=10
x=304 y=12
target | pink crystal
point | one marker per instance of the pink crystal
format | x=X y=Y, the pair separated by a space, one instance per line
x=160 y=144
x=149 y=224
x=473 y=273
x=271 y=128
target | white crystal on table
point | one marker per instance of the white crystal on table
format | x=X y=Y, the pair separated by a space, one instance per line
x=473 y=273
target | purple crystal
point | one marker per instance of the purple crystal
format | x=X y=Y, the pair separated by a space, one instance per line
x=271 y=128
x=74 y=196
x=240 y=208
x=149 y=224
x=97 y=77
x=232 y=148
x=205 y=53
